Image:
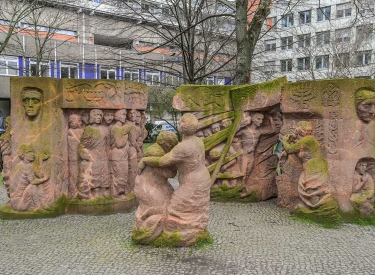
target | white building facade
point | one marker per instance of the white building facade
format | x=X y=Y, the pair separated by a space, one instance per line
x=307 y=40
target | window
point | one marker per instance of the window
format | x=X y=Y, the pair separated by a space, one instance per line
x=321 y=62
x=41 y=70
x=287 y=20
x=69 y=71
x=286 y=65
x=153 y=78
x=324 y=14
x=287 y=43
x=343 y=10
x=305 y=17
x=210 y=80
x=363 y=58
x=364 y=33
x=304 y=40
x=132 y=75
x=172 y=80
x=107 y=73
x=322 y=38
x=270 y=22
x=343 y=35
x=303 y=63
x=342 y=60
x=367 y=12
x=8 y=65
x=269 y=66
x=270 y=45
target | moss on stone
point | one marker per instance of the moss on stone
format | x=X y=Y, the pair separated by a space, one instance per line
x=140 y=235
x=203 y=239
x=170 y=239
x=225 y=193
x=54 y=210
x=216 y=138
x=326 y=215
x=317 y=165
x=250 y=196
x=246 y=93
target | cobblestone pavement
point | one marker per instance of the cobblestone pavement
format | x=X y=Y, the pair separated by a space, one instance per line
x=248 y=239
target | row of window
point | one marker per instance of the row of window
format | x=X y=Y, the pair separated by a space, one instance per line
x=321 y=62
x=322 y=14
x=363 y=34
x=13 y=66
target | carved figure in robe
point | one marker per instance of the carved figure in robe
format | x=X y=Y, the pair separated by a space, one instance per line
x=138 y=124
x=118 y=156
x=153 y=190
x=93 y=178
x=6 y=150
x=135 y=151
x=249 y=133
x=363 y=188
x=365 y=107
x=188 y=208
x=74 y=137
x=28 y=190
x=312 y=181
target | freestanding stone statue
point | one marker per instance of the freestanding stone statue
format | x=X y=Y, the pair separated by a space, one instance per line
x=186 y=217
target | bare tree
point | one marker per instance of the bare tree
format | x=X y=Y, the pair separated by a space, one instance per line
x=11 y=14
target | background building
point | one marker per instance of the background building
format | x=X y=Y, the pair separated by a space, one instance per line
x=317 y=40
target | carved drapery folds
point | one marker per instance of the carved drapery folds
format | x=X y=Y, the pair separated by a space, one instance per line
x=71 y=137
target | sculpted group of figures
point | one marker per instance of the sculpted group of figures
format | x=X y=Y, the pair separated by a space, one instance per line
x=104 y=147
x=165 y=216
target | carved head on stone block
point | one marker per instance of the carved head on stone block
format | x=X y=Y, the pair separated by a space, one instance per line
x=361 y=167
x=108 y=116
x=167 y=140
x=86 y=117
x=132 y=115
x=120 y=115
x=96 y=116
x=138 y=118
x=75 y=121
x=257 y=119
x=365 y=104
x=188 y=124
x=26 y=153
x=32 y=100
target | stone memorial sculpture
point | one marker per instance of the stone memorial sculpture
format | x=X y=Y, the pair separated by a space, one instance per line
x=363 y=189
x=6 y=151
x=249 y=136
x=60 y=156
x=118 y=156
x=28 y=191
x=93 y=181
x=135 y=151
x=32 y=98
x=74 y=138
x=187 y=213
x=312 y=187
x=154 y=192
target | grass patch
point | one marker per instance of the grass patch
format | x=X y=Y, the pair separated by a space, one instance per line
x=203 y=239
x=169 y=239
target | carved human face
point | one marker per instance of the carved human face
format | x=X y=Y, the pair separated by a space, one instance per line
x=361 y=168
x=85 y=117
x=29 y=156
x=366 y=111
x=32 y=103
x=132 y=114
x=138 y=118
x=97 y=118
x=215 y=128
x=199 y=134
x=75 y=122
x=257 y=119
x=108 y=117
x=121 y=116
